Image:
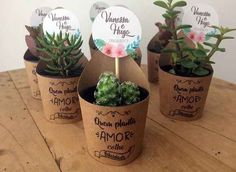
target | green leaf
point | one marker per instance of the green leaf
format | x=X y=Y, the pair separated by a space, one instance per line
x=167 y=16
x=201 y=71
x=209 y=44
x=199 y=53
x=227 y=30
x=228 y=37
x=179 y=4
x=183 y=27
x=211 y=62
x=221 y=49
x=45 y=59
x=215 y=27
x=189 y=64
x=161 y=4
x=169 y=50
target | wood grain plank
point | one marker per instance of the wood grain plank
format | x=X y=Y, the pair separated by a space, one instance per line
x=22 y=147
x=19 y=77
x=163 y=150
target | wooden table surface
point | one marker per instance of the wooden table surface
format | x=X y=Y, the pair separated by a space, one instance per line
x=29 y=143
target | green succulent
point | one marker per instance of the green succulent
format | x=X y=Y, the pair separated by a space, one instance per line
x=130 y=93
x=63 y=54
x=189 y=61
x=108 y=90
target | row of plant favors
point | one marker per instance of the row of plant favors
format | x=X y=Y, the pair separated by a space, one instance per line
x=110 y=93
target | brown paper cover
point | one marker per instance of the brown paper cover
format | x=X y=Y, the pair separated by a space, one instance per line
x=31 y=74
x=182 y=98
x=59 y=97
x=114 y=134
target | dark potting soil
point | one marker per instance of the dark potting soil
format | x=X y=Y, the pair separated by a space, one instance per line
x=167 y=68
x=88 y=94
x=30 y=57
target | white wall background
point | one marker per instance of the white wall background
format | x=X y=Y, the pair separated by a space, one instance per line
x=14 y=14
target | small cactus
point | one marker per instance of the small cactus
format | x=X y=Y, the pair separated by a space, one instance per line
x=108 y=90
x=130 y=93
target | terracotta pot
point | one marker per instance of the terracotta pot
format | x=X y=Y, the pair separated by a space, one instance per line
x=31 y=63
x=114 y=134
x=182 y=98
x=59 y=97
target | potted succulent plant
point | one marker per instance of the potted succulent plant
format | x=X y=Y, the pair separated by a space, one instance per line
x=155 y=46
x=185 y=71
x=31 y=58
x=114 y=110
x=58 y=74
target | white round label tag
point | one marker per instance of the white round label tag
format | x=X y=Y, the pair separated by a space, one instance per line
x=61 y=20
x=116 y=32
x=38 y=16
x=200 y=16
x=96 y=9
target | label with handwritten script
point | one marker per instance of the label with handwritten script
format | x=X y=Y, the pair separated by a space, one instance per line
x=117 y=135
x=61 y=20
x=189 y=96
x=38 y=16
x=64 y=100
x=200 y=16
x=116 y=32
x=96 y=9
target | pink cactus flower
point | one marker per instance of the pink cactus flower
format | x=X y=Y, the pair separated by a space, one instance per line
x=200 y=37
x=120 y=51
x=192 y=36
x=108 y=49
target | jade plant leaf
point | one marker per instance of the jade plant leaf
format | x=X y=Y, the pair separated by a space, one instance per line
x=200 y=71
x=161 y=4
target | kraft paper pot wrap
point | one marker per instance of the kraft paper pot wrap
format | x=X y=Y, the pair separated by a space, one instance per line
x=59 y=97
x=114 y=134
x=30 y=65
x=153 y=59
x=139 y=59
x=182 y=98
x=92 y=47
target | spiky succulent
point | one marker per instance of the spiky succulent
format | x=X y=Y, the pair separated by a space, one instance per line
x=63 y=53
x=130 y=93
x=108 y=90
x=188 y=61
x=30 y=39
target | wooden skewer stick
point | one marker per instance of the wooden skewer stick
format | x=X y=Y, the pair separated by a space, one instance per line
x=117 y=68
